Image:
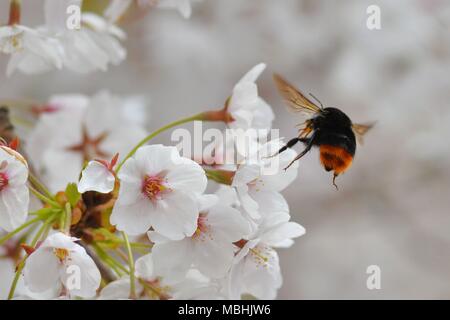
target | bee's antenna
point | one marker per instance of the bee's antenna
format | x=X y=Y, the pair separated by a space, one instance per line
x=334 y=181
x=315 y=98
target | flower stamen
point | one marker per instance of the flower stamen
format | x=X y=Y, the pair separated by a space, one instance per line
x=61 y=254
x=259 y=256
x=202 y=228
x=152 y=187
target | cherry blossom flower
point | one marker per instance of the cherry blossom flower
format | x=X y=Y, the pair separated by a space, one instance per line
x=210 y=249
x=14 y=194
x=264 y=176
x=31 y=51
x=246 y=107
x=158 y=188
x=256 y=269
x=59 y=260
x=275 y=228
x=80 y=129
x=98 y=176
x=151 y=286
x=92 y=46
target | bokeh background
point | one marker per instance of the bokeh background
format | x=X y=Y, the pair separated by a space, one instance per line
x=393 y=206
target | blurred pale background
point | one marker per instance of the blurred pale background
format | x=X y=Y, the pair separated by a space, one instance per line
x=393 y=206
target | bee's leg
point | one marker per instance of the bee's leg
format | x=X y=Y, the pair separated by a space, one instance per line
x=309 y=145
x=334 y=181
x=290 y=144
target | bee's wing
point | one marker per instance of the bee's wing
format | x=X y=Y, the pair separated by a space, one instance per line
x=360 y=130
x=296 y=100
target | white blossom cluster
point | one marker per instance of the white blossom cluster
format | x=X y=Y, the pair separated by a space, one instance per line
x=80 y=43
x=92 y=208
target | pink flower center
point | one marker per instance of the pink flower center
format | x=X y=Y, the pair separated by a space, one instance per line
x=203 y=229
x=90 y=147
x=3 y=181
x=153 y=187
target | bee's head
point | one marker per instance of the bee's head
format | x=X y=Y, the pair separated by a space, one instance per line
x=336 y=117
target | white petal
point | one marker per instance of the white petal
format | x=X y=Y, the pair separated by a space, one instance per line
x=134 y=219
x=263 y=115
x=276 y=237
x=206 y=201
x=96 y=177
x=270 y=202
x=154 y=159
x=144 y=267
x=213 y=258
x=176 y=215
x=172 y=259
x=227 y=195
x=14 y=204
x=248 y=204
x=253 y=74
x=80 y=276
x=246 y=174
x=244 y=95
x=227 y=223
x=59 y=240
x=252 y=277
x=187 y=176
x=116 y=290
x=130 y=183
x=41 y=270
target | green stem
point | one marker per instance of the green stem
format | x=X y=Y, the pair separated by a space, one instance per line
x=107 y=256
x=43 y=198
x=110 y=261
x=40 y=186
x=68 y=222
x=21 y=265
x=131 y=264
x=199 y=117
x=22 y=227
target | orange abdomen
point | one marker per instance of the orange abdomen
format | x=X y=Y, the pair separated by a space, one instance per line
x=335 y=158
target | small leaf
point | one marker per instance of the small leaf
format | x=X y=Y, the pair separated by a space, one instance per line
x=72 y=194
x=44 y=213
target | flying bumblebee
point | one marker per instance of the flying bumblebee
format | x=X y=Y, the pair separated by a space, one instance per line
x=330 y=129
